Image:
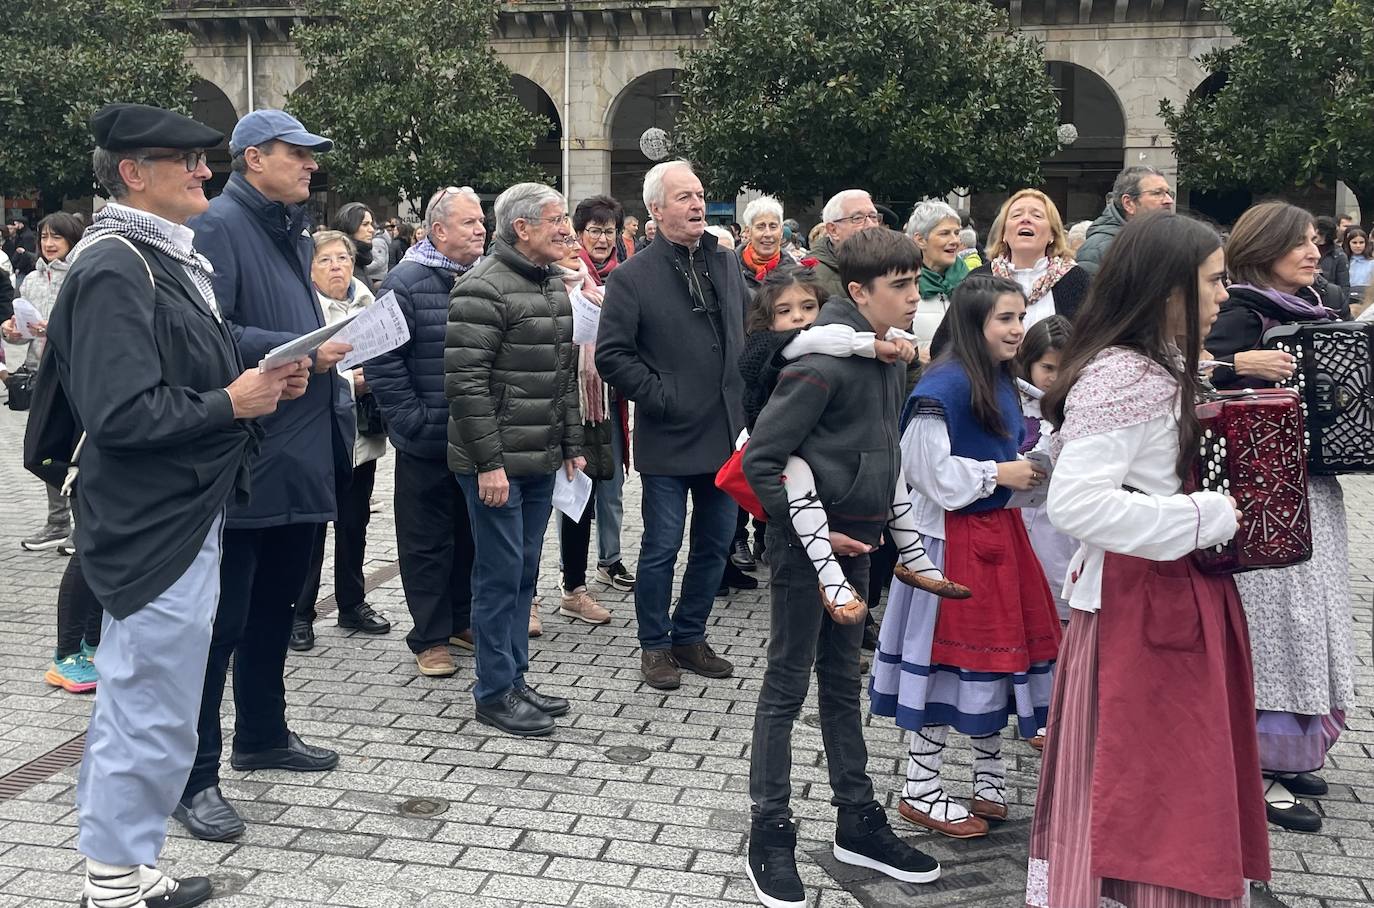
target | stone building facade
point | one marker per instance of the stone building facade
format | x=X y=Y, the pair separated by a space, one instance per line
x=1112 y=62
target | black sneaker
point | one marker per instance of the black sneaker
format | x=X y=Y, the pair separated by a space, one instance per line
x=772 y=864
x=864 y=839
x=734 y=578
x=50 y=537
x=616 y=575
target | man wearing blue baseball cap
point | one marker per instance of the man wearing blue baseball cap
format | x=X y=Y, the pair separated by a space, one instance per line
x=255 y=234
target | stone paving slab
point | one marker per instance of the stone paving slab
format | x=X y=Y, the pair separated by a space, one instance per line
x=639 y=799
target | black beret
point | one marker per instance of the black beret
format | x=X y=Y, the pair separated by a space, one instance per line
x=121 y=127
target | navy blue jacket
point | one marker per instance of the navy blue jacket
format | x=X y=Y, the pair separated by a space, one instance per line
x=408 y=382
x=261 y=251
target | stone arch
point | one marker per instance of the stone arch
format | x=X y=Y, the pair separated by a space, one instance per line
x=548 y=148
x=650 y=99
x=1079 y=176
x=211 y=106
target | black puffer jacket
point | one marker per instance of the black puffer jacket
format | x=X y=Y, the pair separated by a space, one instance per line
x=510 y=369
x=408 y=382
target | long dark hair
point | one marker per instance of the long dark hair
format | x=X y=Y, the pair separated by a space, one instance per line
x=350 y=217
x=1350 y=233
x=779 y=280
x=969 y=308
x=1153 y=257
x=1048 y=334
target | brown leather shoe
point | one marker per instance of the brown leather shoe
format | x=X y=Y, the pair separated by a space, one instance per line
x=659 y=669
x=701 y=659
x=464 y=640
x=988 y=810
x=536 y=626
x=852 y=612
x=967 y=828
x=937 y=586
x=436 y=662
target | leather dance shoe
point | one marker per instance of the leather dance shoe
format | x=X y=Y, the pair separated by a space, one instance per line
x=296 y=756
x=169 y=893
x=515 y=715
x=987 y=810
x=549 y=706
x=363 y=618
x=302 y=636
x=936 y=586
x=1308 y=784
x=969 y=827
x=207 y=815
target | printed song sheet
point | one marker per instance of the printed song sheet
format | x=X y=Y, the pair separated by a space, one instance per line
x=378 y=329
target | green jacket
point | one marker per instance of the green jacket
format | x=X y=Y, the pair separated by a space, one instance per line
x=827 y=269
x=510 y=369
x=1100 y=236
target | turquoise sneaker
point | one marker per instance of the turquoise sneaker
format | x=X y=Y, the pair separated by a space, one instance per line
x=87 y=650
x=74 y=674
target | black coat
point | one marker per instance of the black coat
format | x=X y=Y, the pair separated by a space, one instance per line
x=163 y=453
x=1240 y=327
x=261 y=251
x=1069 y=294
x=673 y=358
x=408 y=382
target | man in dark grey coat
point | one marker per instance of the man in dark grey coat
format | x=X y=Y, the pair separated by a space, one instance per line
x=510 y=371
x=672 y=329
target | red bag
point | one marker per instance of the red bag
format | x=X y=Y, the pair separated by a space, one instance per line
x=730 y=479
x=1253 y=449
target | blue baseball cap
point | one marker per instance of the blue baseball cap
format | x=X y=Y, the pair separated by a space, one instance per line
x=262 y=126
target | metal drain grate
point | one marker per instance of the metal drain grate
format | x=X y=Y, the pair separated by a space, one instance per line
x=15 y=783
x=330 y=605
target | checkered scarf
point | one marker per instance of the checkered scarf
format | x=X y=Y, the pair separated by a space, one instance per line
x=425 y=253
x=120 y=220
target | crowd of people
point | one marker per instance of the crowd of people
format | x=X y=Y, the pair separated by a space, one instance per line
x=1002 y=438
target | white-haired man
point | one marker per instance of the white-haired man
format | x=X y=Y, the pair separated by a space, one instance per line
x=433 y=535
x=671 y=332
x=511 y=380
x=847 y=212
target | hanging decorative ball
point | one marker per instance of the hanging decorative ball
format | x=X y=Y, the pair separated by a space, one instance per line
x=654 y=144
x=1068 y=134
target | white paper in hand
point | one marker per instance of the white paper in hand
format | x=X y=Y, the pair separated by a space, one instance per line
x=1034 y=498
x=378 y=329
x=26 y=314
x=586 y=318
x=570 y=496
x=304 y=345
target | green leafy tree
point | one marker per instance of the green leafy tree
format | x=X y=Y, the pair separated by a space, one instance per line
x=413 y=96
x=1297 y=103
x=60 y=61
x=907 y=98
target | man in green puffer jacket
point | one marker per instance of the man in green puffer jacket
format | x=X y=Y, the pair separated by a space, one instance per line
x=510 y=375
x=1139 y=188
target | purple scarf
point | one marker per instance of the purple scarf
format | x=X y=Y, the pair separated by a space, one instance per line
x=1304 y=310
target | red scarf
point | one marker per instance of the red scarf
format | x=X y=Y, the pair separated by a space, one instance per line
x=760 y=269
x=603 y=270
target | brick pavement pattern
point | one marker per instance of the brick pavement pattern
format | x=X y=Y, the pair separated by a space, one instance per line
x=638 y=800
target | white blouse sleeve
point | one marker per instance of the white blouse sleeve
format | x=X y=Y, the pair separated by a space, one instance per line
x=831 y=340
x=1087 y=502
x=929 y=467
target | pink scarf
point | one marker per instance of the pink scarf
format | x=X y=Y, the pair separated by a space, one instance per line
x=1059 y=266
x=591 y=390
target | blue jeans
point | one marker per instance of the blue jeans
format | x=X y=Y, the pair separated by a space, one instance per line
x=665 y=517
x=610 y=511
x=509 y=540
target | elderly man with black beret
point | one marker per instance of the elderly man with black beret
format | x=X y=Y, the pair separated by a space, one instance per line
x=168 y=413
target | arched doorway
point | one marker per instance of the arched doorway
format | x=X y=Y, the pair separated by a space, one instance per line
x=211 y=106
x=652 y=99
x=548 y=149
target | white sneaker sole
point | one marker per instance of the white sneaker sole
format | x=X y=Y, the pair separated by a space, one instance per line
x=845 y=856
x=41 y=546
x=763 y=897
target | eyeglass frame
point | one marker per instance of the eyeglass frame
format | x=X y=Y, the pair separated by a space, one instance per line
x=605 y=233
x=192 y=160
x=1155 y=193
x=854 y=219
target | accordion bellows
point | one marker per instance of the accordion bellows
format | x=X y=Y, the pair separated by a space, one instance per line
x=1253 y=449
x=1335 y=382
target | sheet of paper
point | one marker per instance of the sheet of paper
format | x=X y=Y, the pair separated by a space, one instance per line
x=25 y=315
x=1034 y=498
x=304 y=345
x=378 y=329
x=570 y=495
x=586 y=318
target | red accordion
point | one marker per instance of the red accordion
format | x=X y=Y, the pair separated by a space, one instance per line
x=1252 y=449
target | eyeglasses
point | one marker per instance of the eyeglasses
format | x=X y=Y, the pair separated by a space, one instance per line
x=571 y=241
x=334 y=260
x=870 y=218
x=192 y=159
x=601 y=233
x=556 y=220
x=1158 y=193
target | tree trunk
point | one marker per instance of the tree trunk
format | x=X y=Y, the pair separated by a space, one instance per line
x=1364 y=194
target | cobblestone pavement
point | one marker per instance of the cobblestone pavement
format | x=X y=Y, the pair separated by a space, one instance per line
x=639 y=800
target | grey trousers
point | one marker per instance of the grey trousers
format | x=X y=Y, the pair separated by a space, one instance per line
x=59 y=508
x=802 y=636
x=142 y=738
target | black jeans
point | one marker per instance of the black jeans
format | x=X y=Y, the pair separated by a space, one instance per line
x=350 y=547
x=801 y=635
x=262 y=573
x=78 y=611
x=574 y=538
x=434 y=546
